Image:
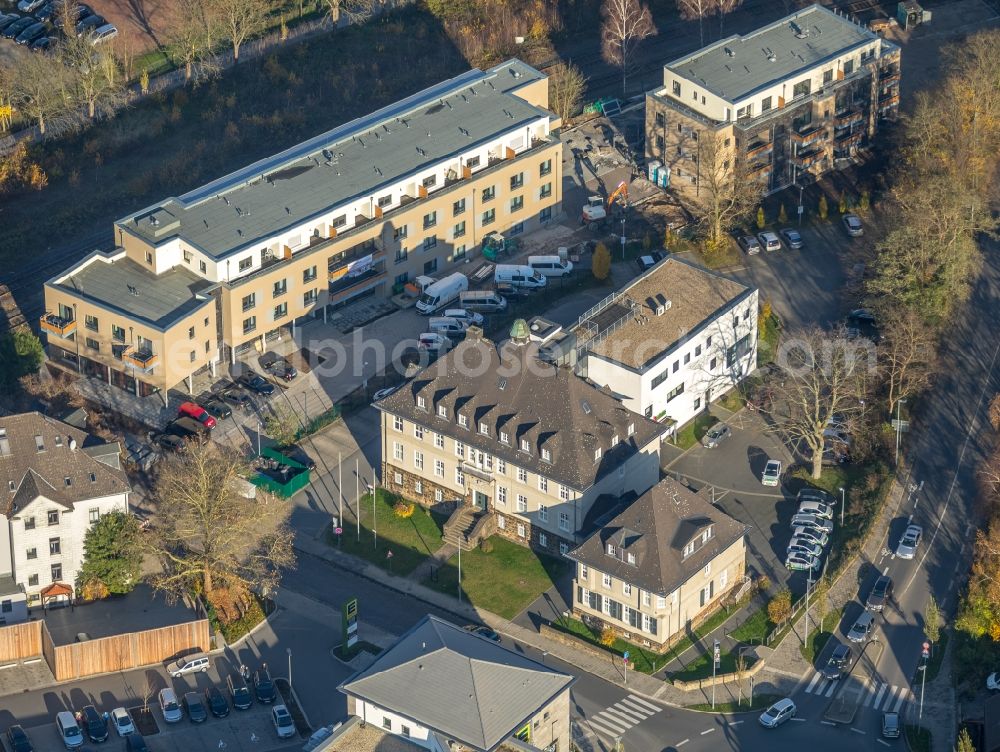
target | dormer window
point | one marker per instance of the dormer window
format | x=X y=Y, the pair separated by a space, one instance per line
x=59 y=441
x=442 y=411
x=631 y=559
x=631 y=429
x=546 y=455
x=504 y=437
x=421 y=403
x=463 y=421
x=614 y=440
x=597 y=454
x=525 y=445
x=689 y=549
x=484 y=429
x=611 y=549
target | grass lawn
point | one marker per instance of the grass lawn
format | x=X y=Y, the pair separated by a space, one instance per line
x=693 y=430
x=706 y=627
x=819 y=636
x=759 y=703
x=644 y=661
x=918 y=739
x=752 y=631
x=504 y=581
x=410 y=539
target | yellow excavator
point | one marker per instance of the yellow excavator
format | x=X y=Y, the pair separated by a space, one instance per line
x=595 y=213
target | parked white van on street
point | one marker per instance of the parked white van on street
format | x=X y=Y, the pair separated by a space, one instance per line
x=442 y=292
x=550 y=266
x=518 y=276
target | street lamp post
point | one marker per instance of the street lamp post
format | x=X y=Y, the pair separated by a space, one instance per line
x=898 y=428
x=841 y=506
x=260 y=427
x=623 y=235
x=715 y=666
x=289 y=666
x=925 y=654
x=800 y=205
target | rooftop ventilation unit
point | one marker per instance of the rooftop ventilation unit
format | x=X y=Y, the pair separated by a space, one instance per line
x=586 y=407
x=772 y=57
x=729 y=52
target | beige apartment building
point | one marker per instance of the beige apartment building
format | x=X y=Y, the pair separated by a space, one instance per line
x=360 y=210
x=527 y=449
x=777 y=106
x=659 y=566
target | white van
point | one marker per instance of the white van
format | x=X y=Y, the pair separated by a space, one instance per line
x=469 y=318
x=550 y=266
x=69 y=730
x=516 y=275
x=442 y=292
x=447 y=326
x=484 y=301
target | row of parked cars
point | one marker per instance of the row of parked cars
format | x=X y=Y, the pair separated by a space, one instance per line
x=34 y=24
x=770 y=241
x=812 y=526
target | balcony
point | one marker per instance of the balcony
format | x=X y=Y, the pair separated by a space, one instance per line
x=477 y=472
x=56 y=325
x=848 y=139
x=848 y=118
x=348 y=287
x=354 y=266
x=890 y=77
x=886 y=103
x=758 y=149
x=807 y=159
x=811 y=134
x=759 y=170
x=141 y=360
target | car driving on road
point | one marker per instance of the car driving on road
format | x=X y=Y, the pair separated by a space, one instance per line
x=907 y=547
x=839 y=663
x=778 y=713
x=862 y=627
x=881 y=594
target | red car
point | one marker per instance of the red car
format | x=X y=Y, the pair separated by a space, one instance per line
x=199 y=413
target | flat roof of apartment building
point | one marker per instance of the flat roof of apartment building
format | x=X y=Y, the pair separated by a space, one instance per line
x=124 y=285
x=736 y=67
x=356 y=159
x=656 y=311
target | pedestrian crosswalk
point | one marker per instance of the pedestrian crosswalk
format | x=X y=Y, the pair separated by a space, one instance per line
x=878 y=695
x=614 y=721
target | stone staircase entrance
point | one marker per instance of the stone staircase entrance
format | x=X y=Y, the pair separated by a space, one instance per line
x=467 y=526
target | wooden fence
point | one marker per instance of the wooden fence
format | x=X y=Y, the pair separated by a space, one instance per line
x=20 y=641
x=116 y=653
x=127 y=651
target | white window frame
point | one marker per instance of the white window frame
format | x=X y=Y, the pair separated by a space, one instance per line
x=522 y=503
x=564 y=492
x=439 y=440
x=626 y=588
x=397 y=423
x=520 y=530
x=397 y=451
x=543 y=540
x=459 y=476
x=438 y=468
x=502 y=495
x=606 y=581
x=501 y=466
x=522 y=475
x=418 y=431
x=661 y=601
x=646 y=598
x=460 y=449
x=584 y=573
x=543 y=513
x=418 y=460
x=543 y=484
x=564 y=521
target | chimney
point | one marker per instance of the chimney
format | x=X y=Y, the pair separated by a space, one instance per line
x=72 y=445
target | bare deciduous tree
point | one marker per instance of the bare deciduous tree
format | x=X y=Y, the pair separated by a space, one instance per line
x=824 y=374
x=566 y=88
x=208 y=535
x=908 y=352
x=352 y=11
x=700 y=9
x=626 y=24
x=42 y=90
x=97 y=81
x=726 y=191
x=193 y=35
x=242 y=20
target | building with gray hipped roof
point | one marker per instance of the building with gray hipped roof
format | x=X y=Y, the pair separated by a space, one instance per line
x=445 y=689
x=659 y=566
x=519 y=446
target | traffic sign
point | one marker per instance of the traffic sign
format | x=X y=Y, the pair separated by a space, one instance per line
x=625 y=655
x=338 y=530
x=718 y=654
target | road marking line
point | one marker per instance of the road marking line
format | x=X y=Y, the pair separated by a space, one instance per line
x=888 y=699
x=612 y=722
x=707 y=731
x=878 y=697
x=828 y=723
x=880 y=741
x=630 y=714
x=857 y=731
x=899 y=701
x=627 y=719
x=601 y=730
x=681 y=744
x=633 y=708
x=954 y=477
x=886 y=570
x=639 y=701
x=800 y=720
x=833 y=686
x=812 y=684
x=735 y=723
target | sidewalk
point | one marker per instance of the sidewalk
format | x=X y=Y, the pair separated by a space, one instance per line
x=609 y=669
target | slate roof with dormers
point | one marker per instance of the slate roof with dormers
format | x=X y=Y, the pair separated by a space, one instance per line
x=655 y=528
x=513 y=392
x=458 y=684
x=90 y=464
